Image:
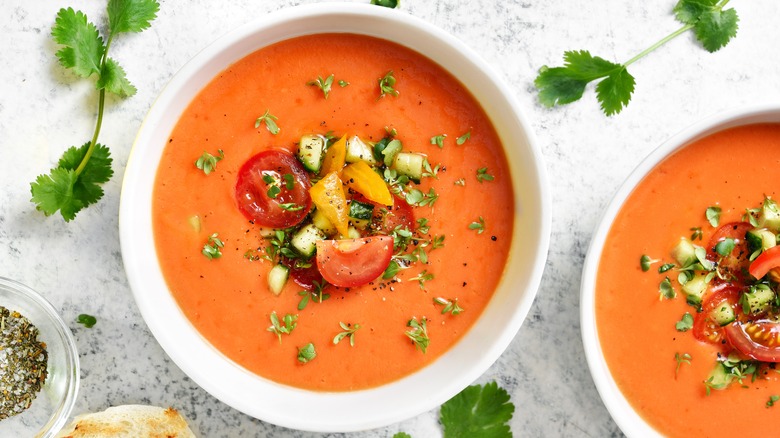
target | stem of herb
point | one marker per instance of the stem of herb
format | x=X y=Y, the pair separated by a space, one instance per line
x=660 y=43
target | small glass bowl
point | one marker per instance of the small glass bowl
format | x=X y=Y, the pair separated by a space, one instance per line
x=52 y=406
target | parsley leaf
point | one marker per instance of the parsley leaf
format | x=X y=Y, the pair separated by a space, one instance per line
x=712 y=26
x=83 y=45
x=478 y=411
x=87 y=320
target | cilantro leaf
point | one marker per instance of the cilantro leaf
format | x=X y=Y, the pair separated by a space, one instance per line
x=68 y=191
x=689 y=11
x=562 y=85
x=406 y=435
x=131 y=15
x=478 y=411
x=716 y=28
x=614 y=92
x=83 y=44
x=113 y=79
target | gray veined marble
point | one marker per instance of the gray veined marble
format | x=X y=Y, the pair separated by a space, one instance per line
x=78 y=266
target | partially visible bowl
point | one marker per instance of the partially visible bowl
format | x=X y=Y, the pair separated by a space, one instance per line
x=396 y=401
x=622 y=411
x=52 y=406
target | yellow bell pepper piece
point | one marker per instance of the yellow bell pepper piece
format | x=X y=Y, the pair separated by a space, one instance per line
x=335 y=157
x=328 y=196
x=361 y=178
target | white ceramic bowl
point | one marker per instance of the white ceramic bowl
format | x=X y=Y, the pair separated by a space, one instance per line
x=51 y=408
x=621 y=410
x=342 y=411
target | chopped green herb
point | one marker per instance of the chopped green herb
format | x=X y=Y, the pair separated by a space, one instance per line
x=438 y=140
x=665 y=267
x=422 y=277
x=697 y=233
x=478 y=411
x=343 y=83
x=772 y=400
x=391 y=270
x=323 y=84
x=665 y=289
x=290 y=206
x=273 y=191
x=430 y=172
x=418 y=198
x=713 y=27
x=212 y=248
x=208 y=163
x=386 y=3
x=450 y=306
x=751 y=215
x=317 y=295
x=483 y=176
x=681 y=359
x=284 y=327
x=88 y=320
x=75 y=182
x=348 y=331
x=462 y=139
x=306 y=353
x=387 y=85
x=713 y=215
x=418 y=333
x=725 y=246
x=269 y=179
x=460 y=182
x=645 y=261
x=478 y=225
x=270 y=122
x=685 y=324
x=289 y=181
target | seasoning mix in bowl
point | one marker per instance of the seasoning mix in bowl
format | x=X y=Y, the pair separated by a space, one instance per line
x=39 y=369
x=335 y=196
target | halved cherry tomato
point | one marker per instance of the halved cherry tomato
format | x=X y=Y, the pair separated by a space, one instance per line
x=304 y=277
x=767 y=261
x=705 y=328
x=353 y=262
x=253 y=196
x=736 y=263
x=757 y=339
x=401 y=213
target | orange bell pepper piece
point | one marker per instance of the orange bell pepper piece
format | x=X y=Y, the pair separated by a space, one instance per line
x=361 y=178
x=328 y=196
x=335 y=157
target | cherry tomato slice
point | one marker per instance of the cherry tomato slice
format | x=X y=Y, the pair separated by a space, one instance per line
x=353 y=262
x=767 y=261
x=401 y=213
x=736 y=263
x=267 y=182
x=705 y=328
x=758 y=339
x=305 y=277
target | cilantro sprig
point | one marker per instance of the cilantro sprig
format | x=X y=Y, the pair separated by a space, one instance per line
x=478 y=411
x=75 y=182
x=713 y=26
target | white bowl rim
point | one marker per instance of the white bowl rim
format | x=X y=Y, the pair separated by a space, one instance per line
x=631 y=423
x=412 y=405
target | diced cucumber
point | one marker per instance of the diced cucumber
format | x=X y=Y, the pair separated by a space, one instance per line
x=770 y=215
x=353 y=233
x=358 y=150
x=311 y=151
x=277 y=277
x=684 y=252
x=719 y=377
x=305 y=240
x=694 y=289
x=757 y=299
x=760 y=239
x=320 y=221
x=410 y=164
x=723 y=314
x=379 y=147
x=360 y=210
x=391 y=151
x=267 y=232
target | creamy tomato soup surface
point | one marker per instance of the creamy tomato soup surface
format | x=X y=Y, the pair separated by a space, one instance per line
x=687 y=305
x=426 y=260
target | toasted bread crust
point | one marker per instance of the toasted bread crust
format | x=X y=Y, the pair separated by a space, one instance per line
x=129 y=421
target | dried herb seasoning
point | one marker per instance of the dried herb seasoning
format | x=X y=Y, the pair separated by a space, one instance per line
x=23 y=360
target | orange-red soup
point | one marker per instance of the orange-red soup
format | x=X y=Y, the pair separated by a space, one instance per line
x=228 y=300
x=734 y=169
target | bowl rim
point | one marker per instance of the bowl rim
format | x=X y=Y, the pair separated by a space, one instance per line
x=629 y=421
x=62 y=411
x=377 y=417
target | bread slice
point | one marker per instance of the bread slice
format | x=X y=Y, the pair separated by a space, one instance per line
x=129 y=421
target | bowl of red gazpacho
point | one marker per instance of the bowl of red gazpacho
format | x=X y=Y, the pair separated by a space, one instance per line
x=335 y=218
x=680 y=302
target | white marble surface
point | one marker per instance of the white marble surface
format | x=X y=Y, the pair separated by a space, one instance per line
x=78 y=265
